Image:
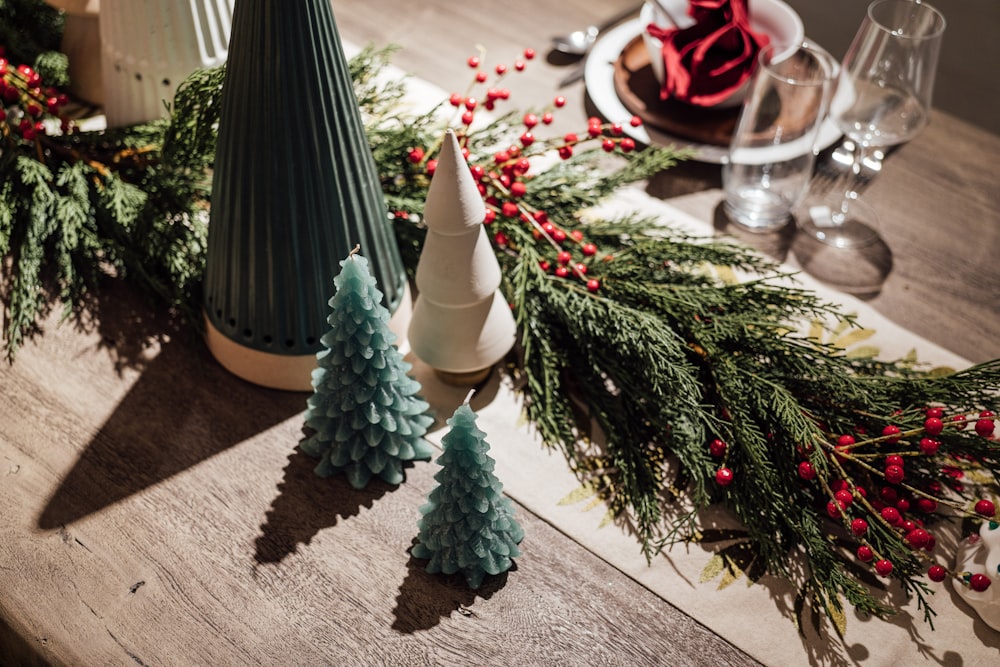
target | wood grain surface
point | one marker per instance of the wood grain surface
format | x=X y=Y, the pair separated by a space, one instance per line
x=155 y=512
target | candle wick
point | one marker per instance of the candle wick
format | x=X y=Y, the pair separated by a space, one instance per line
x=468 y=397
x=355 y=250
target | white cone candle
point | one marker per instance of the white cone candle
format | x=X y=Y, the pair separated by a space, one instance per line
x=461 y=324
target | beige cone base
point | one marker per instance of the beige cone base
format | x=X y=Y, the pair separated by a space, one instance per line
x=470 y=379
x=284 y=371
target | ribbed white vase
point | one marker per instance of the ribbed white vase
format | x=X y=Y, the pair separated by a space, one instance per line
x=148 y=47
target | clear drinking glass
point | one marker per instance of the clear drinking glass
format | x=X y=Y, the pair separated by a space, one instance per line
x=773 y=148
x=884 y=97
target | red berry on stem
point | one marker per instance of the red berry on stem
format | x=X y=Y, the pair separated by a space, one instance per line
x=933 y=425
x=807 y=471
x=566 y=152
x=985 y=427
x=564 y=257
x=918 y=538
x=415 y=155
x=902 y=504
x=473 y=62
x=979 y=582
x=431 y=167
x=717 y=448
x=859 y=527
x=562 y=272
x=937 y=413
x=627 y=145
x=580 y=268
x=986 y=508
x=455 y=100
x=892 y=432
x=481 y=78
x=723 y=476
x=635 y=121
x=845 y=440
x=527 y=139
x=467 y=118
x=936 y=573
x=891 y=514
x=608 y=145
x=894 y=460
x=883 y=567
x=844 y=497
x=547 y=118
x=500 y=69
x=559 y=101
x=519 y=65
x=593 y=285
x=926 y=505
x=588 y=249
x=865 y=553
x=490 y=216
x=529 y=54
x=833 y=508
x=509 y=209
x=894 y=474
x=929 y=446
x=530 y=120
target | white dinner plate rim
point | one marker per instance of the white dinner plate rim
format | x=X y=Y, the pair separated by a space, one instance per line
x=599 y=78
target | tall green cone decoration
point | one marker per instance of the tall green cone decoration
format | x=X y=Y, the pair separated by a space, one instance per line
x=468 y=526
x=295 y=187
x=364 y=408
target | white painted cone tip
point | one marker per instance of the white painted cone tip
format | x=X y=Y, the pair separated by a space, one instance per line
x=454 y=205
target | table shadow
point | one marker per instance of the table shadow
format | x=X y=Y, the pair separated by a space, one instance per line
x=860 y=272
x=424 y=599
x=183 y=409
x=306 y=504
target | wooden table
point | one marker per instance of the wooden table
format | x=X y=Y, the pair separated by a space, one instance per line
x=154 y=510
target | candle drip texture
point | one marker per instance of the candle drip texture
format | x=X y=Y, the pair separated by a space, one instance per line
x=365 y=409
x=468 y=525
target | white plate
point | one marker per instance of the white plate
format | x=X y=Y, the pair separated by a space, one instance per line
x=599 y=76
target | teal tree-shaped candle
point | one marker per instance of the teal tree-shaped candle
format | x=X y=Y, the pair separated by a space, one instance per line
x=365 y=409
x=467 y=526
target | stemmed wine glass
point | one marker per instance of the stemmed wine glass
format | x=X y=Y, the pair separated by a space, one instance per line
x=883 y=99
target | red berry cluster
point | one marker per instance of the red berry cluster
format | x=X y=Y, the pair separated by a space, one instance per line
x=24 y=103
x=504 y=177
x=897 y=504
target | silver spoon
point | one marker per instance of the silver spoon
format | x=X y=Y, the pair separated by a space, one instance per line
x=576 y=43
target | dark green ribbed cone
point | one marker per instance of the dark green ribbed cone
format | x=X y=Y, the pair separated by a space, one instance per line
x=295 y=185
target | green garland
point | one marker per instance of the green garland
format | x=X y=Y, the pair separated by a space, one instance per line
x=679 y=370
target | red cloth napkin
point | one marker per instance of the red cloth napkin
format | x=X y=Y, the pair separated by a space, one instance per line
x=706 y=63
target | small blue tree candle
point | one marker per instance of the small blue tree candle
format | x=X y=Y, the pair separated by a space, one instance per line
x=468 y=525
x=365 y=409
